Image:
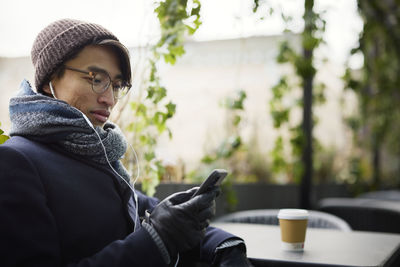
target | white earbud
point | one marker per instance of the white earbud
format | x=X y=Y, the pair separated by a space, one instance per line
x=52 y=90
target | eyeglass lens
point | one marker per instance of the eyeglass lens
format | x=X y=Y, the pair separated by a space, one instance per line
x=101 y=82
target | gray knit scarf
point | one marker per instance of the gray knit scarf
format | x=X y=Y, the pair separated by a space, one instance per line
x=49 y=120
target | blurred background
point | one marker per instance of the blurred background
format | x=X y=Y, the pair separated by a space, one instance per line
x=298 y=100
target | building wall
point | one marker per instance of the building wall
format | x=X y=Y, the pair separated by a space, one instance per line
x=207 y=73
x=12 y=72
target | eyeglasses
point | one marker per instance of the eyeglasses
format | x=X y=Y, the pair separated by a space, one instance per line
x=101 y=80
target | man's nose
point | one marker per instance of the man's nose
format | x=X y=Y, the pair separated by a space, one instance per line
x=108 y=97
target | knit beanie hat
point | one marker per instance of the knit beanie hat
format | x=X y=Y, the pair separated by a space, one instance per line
x=58 y=40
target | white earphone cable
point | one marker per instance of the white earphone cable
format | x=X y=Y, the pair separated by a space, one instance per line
x=126 y=182
x=105 y=154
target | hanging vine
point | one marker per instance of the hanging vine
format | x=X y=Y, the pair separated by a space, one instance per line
x=152 y=111
x=376 y=126
x=285 y=93
x=228 y=147
x=224 y=155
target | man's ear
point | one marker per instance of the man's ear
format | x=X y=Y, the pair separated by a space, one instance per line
x=46 y=89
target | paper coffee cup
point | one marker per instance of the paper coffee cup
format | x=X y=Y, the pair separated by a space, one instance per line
x=293 y=224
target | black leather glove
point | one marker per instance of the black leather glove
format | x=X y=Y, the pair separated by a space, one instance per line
x=232 y=256
x=181 y=221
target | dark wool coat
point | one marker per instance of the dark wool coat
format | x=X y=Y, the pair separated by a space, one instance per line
x=58 y=209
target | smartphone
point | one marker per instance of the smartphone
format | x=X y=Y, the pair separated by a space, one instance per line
x=214 y=179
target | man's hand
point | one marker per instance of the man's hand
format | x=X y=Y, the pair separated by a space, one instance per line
x=181 y=220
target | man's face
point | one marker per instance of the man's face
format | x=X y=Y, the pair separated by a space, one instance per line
x=75 y=88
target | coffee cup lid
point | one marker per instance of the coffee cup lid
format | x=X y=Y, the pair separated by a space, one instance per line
x=293 y=214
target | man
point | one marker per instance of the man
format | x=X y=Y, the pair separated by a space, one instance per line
x=65 y=198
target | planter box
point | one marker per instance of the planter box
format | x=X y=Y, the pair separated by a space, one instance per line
x=260 y=196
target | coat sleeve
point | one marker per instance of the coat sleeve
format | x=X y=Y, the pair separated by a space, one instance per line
x=214 y=237
x=28 y=231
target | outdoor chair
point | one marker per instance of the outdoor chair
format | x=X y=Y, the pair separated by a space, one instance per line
x=316 y=219
x=390 y=195
x=365 y=214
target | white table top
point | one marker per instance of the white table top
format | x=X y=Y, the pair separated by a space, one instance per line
x=322 y=246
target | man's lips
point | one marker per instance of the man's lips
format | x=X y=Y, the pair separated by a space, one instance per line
x=101 y=115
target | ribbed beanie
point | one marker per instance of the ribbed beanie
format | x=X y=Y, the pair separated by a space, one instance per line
x=57 y=40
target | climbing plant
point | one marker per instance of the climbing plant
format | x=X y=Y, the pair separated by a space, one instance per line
x=152 y=110
x=224 y=155
x=376 y=85
x=299 y=165
x=235 y=108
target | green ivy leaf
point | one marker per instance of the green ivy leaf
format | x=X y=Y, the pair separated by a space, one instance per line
x=280 y=117
x=236 y=120
x=151 y=90
x=235 y=142
x=256 y=6
x=286 y=53
x=142 y=109
x=169 y=133
x=304 y=67
x=171 y=109
x=149 y=156
x=3 y=138
x=208 y=159
x=176 y=50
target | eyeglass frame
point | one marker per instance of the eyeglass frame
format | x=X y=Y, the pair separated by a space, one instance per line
x=111 y=82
